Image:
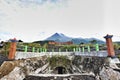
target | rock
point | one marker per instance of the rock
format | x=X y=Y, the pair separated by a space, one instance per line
x=20 y=68
x=2 y=59
x=17 y=73
x=96 y=68
x=109 y=74
x=75 y=77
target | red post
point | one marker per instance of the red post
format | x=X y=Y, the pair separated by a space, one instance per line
x=110 y=48
x=12 y=49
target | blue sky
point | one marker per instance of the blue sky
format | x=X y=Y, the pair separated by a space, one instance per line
x=31 y=20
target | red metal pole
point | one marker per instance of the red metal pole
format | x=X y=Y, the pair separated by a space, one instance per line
x=110 y=48
x=12 y=49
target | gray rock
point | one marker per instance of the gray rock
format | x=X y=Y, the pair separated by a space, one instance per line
x=2 y=59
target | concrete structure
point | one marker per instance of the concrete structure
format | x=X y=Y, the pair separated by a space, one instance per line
x=110 y=48
x=24 y=55
x=18 y=55
x=12 y=49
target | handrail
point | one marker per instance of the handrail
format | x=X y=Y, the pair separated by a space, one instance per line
x=77 y=49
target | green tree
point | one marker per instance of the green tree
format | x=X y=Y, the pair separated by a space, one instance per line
x=45 y=45
x=116 y=46
x=93 y=41
x=5 y=49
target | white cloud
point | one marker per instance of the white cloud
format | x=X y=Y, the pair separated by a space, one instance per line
x=5 y=36
x=26 y=19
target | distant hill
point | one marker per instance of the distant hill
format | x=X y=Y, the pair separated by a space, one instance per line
x=59 y=37
x=118 y=42
x=79 y=40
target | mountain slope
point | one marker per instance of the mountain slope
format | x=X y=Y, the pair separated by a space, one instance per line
x=59 y=37
x=79 y=40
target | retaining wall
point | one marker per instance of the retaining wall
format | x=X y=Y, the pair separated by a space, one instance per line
x=24 y=55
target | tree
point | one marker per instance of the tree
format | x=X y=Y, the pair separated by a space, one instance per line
x=81 y=44
x=93 y=41
x=20 y=41
x=1 y=44
x=116 y=46
x=5 y=48
x=45 y=45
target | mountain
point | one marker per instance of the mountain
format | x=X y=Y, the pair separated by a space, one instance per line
x=97 y=40
x=59 y=37
x=79 y=40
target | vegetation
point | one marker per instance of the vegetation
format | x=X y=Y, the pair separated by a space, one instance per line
x=68 y=47
x=21 y=46
x=59 y=61
x=5 y=48
x=93 y=41
x=116 y=46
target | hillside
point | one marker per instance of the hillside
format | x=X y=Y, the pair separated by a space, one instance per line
x=60 y=37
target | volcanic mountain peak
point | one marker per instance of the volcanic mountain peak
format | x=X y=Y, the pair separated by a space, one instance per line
x=59 y=37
